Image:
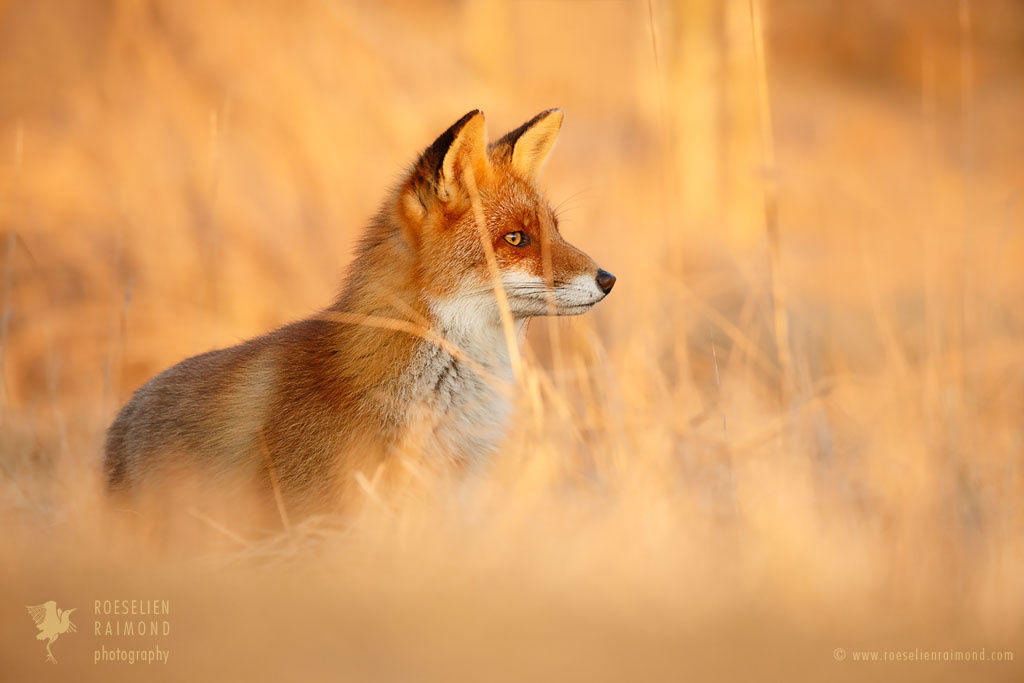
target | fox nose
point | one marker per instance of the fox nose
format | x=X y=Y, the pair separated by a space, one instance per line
x=605 y=280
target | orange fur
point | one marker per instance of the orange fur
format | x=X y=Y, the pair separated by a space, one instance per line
x=310 y=405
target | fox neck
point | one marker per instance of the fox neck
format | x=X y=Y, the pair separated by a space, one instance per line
x=460 y=395
x=464 y=390
x=381 y=284
x=474 y=325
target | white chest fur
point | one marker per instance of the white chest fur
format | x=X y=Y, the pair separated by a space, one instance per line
x=464 y=397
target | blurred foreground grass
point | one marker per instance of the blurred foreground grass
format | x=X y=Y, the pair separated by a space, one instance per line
x=672 y=501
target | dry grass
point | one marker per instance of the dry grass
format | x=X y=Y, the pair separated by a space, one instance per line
x=679 y=496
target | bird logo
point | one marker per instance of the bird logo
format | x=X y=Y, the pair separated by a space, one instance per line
x=51 y=622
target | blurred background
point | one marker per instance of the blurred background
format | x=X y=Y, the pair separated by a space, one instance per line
x=797 y=425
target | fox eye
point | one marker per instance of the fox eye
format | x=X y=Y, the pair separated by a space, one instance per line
x=517 y=238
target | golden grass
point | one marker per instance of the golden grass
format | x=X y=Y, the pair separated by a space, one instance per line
x=176 y=177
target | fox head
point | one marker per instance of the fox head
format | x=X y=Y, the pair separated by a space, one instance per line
x=460 y=184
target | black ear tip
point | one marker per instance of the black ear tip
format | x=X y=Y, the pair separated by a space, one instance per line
x=553 y=111
x=458 y=125
x=432 y=156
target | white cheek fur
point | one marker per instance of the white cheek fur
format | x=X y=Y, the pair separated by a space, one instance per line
x=529 y=294
x=583 y=290
x=474 y=308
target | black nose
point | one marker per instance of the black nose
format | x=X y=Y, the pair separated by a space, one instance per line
x=605 y=280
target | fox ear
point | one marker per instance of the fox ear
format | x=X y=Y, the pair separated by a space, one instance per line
x=442 y=167
x=527 y=147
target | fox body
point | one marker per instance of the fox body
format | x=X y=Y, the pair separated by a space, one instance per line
x=414 y=354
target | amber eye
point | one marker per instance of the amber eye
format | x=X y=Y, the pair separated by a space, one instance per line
x=517 y=239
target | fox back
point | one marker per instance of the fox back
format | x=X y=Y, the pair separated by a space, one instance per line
x=412 y=360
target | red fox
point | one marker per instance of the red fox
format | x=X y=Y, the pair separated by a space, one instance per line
x=414 y=353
